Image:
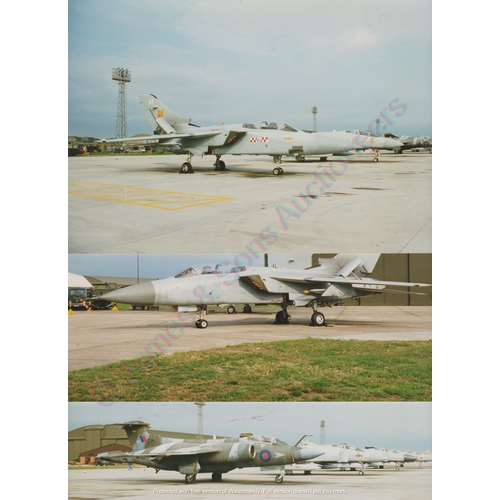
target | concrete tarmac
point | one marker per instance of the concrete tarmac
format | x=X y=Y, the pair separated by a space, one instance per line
x=100 y=337
x=409 y=483
x=141 y=204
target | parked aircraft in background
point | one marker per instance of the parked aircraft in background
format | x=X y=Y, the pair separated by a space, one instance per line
x=413 y=143
x=343 y=277
x=344 y=456
x=193 y=456
x=180 y=136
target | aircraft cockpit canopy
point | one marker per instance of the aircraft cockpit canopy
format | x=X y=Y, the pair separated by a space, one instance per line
x=362 y=132
x=270 y=126
x=203 y=269
x=265 y=439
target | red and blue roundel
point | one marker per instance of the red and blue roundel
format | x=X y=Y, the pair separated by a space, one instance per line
x=265 y=456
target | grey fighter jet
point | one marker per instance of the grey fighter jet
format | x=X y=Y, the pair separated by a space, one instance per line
x=344 y=457
x=343 y=277
x=180 y=136
x=193 y=456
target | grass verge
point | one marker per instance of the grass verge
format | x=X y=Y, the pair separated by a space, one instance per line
x=299 y=370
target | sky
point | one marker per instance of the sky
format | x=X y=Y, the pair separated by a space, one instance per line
x=251 y=60
x=403 y=426
x=163 y=266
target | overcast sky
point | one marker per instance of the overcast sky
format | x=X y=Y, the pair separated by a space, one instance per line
x=251 y=60
x=163 y=266
x=404 y=426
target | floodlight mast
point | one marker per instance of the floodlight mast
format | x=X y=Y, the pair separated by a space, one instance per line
x=314 y=112
x=122 y=76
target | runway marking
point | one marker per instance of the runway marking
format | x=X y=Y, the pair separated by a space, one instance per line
x=143 y=197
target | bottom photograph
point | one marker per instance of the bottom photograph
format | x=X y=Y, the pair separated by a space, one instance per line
x=301 y=449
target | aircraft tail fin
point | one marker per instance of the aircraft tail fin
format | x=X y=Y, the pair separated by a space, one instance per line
x=136 y=433
x=161 y=118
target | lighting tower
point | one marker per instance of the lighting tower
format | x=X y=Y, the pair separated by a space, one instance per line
x=322 y=432
x=200 y=419
x=315 y=112
x=377 y=127
x=122 y=76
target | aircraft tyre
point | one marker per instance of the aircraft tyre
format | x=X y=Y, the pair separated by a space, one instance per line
x=279 y=478
x=201 y=323
x=217 y=477
x=361 y=472
x=282 y=318
x=307 y=473
x=375 y=159
x=186 y=168
x=276 y=171
x=318 y=319
x=231 y=310
x=247 y=308
x=190 y=478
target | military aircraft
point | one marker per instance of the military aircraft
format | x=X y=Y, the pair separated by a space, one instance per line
x=180 y=136
x=413 y=143
x=193 y=456
x=331 y=282
x=344 y=456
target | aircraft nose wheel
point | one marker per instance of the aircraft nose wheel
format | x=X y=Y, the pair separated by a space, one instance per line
x=190 y=478
x=201 y=323
x=278 y=171
x=375 y=159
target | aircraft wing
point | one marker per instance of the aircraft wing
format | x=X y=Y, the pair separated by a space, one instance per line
x=159 y=137
x=180 y=452
x=344 y=281
x=232 y=136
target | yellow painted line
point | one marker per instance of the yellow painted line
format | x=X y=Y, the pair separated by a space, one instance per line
x=143 y=197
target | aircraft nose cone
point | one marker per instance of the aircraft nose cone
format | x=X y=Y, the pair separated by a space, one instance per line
x=307 y=453
x=142 y=294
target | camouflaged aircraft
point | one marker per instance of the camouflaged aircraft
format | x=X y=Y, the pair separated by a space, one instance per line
x=333 y=281
x=180 y=136
x=193 y=456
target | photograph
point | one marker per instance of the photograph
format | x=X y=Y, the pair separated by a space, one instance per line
x=249 y=239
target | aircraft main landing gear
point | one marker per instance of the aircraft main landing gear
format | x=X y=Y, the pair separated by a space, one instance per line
x=190 y=478
x=186 y=167
x=279 y=477
x=277 y=170
x=318 y=319
x=282 y=317
x=217 y=477
x=219 y=164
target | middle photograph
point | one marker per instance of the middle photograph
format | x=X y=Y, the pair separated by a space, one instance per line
x=250 y=327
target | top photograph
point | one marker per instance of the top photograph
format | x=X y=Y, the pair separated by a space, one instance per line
x=279 y=126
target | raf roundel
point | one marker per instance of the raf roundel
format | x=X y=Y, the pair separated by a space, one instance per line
x=265 y=455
